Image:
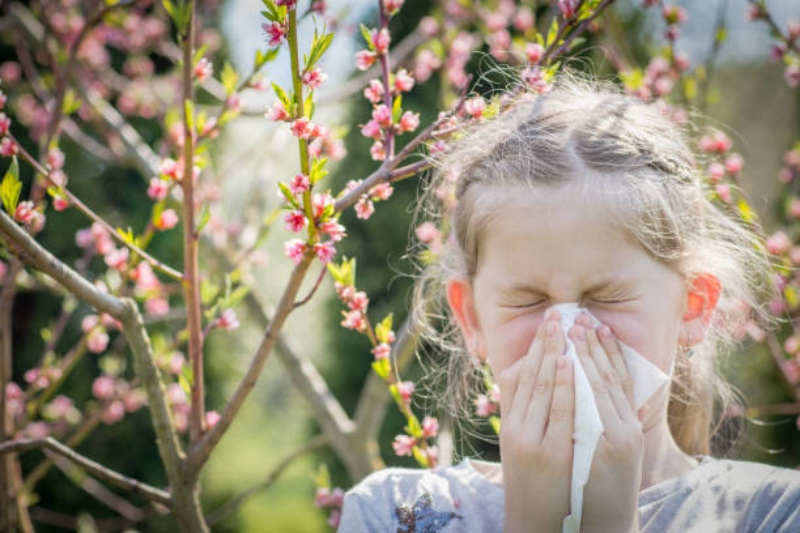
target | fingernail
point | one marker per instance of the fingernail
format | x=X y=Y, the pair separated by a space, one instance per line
x=562 y=362
x=551 y=329
x=579 y=333
x=604 y=332
x=584 y=320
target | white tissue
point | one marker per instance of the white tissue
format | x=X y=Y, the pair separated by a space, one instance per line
x=588 y=427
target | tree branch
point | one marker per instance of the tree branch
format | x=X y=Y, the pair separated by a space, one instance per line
x=98 y=470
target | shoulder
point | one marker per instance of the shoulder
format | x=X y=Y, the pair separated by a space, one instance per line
x=398 y=499
x=747 y=496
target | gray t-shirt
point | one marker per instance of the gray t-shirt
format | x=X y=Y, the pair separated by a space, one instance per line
x=717 y=496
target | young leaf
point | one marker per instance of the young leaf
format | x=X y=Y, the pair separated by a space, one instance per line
x=11 y=187
x=282 y=96
x=382 y=367
x=383 y=329
x=397 y=109
x=552 y=33
x=205 y=217
x=229 y=78
x=367 y=37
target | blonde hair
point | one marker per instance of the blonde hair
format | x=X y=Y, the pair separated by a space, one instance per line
x=584 y=132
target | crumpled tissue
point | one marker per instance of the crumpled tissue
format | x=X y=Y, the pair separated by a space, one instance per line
x=588 y=427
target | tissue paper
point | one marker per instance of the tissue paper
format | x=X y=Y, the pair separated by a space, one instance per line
x=588 y=427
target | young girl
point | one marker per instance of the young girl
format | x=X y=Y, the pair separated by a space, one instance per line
x=588 y=197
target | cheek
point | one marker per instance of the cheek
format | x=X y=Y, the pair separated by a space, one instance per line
x=656 y=342
x=510 y=340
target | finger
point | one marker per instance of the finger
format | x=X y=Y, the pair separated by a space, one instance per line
x=517 y=381
x=608 y=374
x=542 y=391
x=611 y=346
x=560 y=418
x=601 y=389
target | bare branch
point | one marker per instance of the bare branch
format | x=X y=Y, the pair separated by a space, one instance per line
x=98 y=470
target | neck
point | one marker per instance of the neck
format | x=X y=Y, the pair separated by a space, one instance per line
x=663 y=459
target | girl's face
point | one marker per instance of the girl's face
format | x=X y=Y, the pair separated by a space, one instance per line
x=560 y=245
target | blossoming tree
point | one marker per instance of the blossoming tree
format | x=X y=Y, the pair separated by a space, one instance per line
x=143 y=85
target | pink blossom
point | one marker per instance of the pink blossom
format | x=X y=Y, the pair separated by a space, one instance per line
x=382 y=115
x=156 y=306
x=354 y=320
x=377 y=151
x=228 y=320
x=777 y=51
x=37 y=430
x=393 y=6
x=717 y=142
x=791 y=369
x=426 y=62
x=302 y=128
x=483 y=407
x=672 y=32
x=428 y=26
x=89 y=322
x=755 y=12
x=275 y=31
x=277 y=112
x=3 y=270
x=5 y=124
x=57 y=177
x=325 y=251
x=295 y=221
x=364 y=208
x=404 y=445
x=171 y=169
x=794 y=208
x=158 y=189
x=674 y=14
x=403 y=81
x=166 y=220
x=299 y=184
x=778 y=243
x=475 y=107
x=408 y=122
x=382 y=191
x=319 y=203
x=134 y=400
x=523 y=19
x=381 y=40
x=175 y=394
x=323 y=497
x=430 y=427
x=534 y=77
x=295 y=249
x=374 y=91
x=212 y=417
x=716 y=171
x=97 y=341
x=203 y=69
x=372 y=130
x=313 y=78
x=432 y=453
x=358 y=301
x=365 y=59
x=569 y=8
x=104 y=387
x=792 y=75
x=723 y=190
x=60 y=203
x=734 y=163
x=144 y=277
x=25 y=213
x=794 y=254
x=114 y=412
x=290 y=5
x=335 y=518
x=427 y=232
x=381 y=351
x=792 y=345
x=60 y=408
x=405 y=389
x=333 y=229
x=117 y=258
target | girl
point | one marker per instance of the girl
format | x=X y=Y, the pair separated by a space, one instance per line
x=588 y=197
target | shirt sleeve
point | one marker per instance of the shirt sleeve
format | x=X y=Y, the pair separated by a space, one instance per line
x=776 y=506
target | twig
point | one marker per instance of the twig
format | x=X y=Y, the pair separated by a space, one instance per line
x=711 y=64
x=313 y=290
x=98 y=470
x=221 y=512
x=768 y=18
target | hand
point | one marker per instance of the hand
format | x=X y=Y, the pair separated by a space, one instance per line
x=610 y=498
x=537 y=404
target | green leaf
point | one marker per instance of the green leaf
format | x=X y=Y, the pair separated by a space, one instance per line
x=186 y=378
x=308 y=106
x=71 y=103
x=282 y=96
x=205 y=217
x=414 y=428
x=552 y=33
x=318 y=47
x=263 y=58
x=11 y=187
x=721 y=34
x=397 y=108
x=237 y=296
x=420 y=457
x=229 y=78
x=494 y=421
x=367 y=37
x=382 y=367
x=198 y=55
x=318 y=170
x=383 y=329
x=287 y=193
x=272 y=12
x=188 y=109
x=322 y=477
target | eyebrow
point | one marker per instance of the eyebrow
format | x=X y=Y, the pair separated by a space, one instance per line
x=613 y=283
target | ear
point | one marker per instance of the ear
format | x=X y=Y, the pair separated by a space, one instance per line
x=460 y=297
x=702 y=295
